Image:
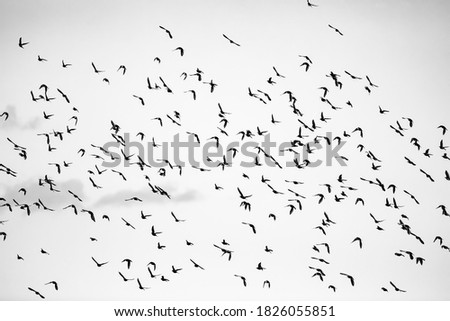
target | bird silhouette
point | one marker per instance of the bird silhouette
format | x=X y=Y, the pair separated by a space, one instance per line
x=99 y=264
x=22 y=44
x=54 y=283
x=37 y=293
x=335 y=29
x=167 y=32
x=352 y=280
x=231 y=41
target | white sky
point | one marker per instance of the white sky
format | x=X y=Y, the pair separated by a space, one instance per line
x=402 y=46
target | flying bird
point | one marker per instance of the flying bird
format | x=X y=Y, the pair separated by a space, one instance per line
x=167 y=31
x=231 y=41
x=21 y=43
x=335 y=29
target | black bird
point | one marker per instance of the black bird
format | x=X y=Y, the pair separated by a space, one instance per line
x=21 y=43
x=176 y=219
x=244 y=280
x=358 y=239
x=447 y=175
x=352 y=280
x=123 y=68
x=375 y=220
x=277 y=73
x=144 y=217
x=128 y=262
x=37 y=293
x=307 y=58
x=306 y=65
x=196 y=265
x=242 y=196
x=231 y=41
x=140 y=285
x=99 y=264
x=444 y=129
x=370 y=82
x=175 y=270
x=167 y=31
x=335 y=29
x=91 y=214
x=124 y=278
x=382 y=111
x=251 y=226
x=396 y=288
x=140 y=99
x=128 y=224
x=63 y=95
x=48 y=116
x=212 y=85
x=181 y=50
x=352 y=76
x=154 y=232
x=95 y=69
x=54 y=284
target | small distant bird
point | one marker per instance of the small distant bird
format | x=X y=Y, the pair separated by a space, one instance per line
x=54 y=284
x=21 y=43
x=336 y=29
x=244 y=280
x=181 y=50
x=97 y=71
x=311 y=5
x=359 y=241
x=5 y=114
x=196 y=265
x=231 y=41
x=352 y=280
x=123 y=68
x=37 y=293
x=396 y=288
x=382 y=111
x=444 y=129
x=98 y=264
x=128 y=262
x=167 y=31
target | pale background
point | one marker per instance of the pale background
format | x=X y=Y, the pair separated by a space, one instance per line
x=401 y=45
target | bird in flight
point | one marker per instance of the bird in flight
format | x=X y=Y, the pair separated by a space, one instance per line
x=352 y=280
x=167 y=31
x=21 y=43
x=244 y=280
x=36 y=292
x=97 y=71
x=54 y=284
x=98 y=264
x=311 y=5
x=231 y=41
x=336 y=29
x=196 y=265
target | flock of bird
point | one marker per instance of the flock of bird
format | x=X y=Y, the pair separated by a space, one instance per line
x=327 y=196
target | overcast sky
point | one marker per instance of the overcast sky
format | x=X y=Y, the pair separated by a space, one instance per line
x=402 y=46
